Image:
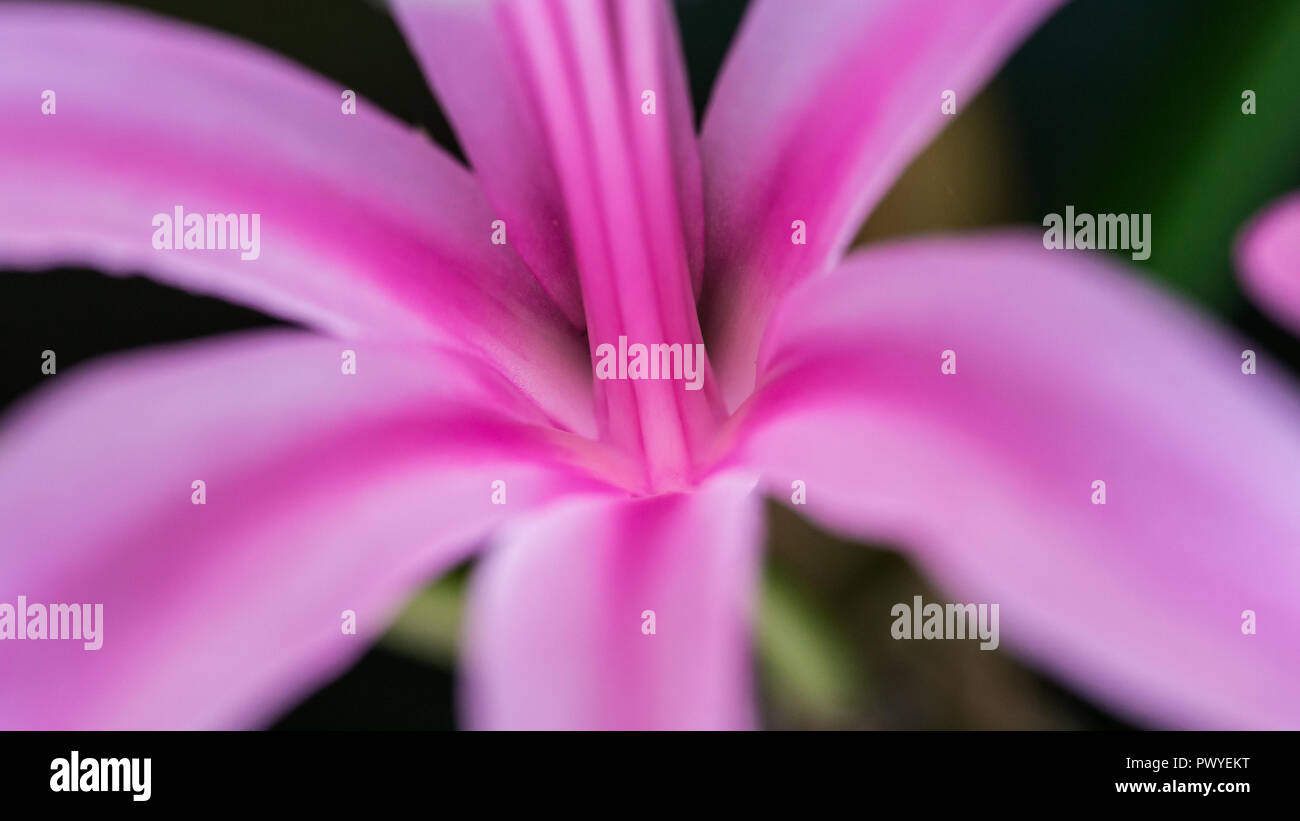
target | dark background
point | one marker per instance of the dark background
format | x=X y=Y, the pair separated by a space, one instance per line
x=1113 y=106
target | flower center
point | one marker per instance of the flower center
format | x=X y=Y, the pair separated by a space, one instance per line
x=656 y=398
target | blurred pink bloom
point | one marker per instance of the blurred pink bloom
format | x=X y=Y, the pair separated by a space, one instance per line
x=1268 y=256
x=329 y=492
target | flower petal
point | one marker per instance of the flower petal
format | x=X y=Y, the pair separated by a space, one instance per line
x=1068 y=372
x=324 y=492
x=547 y=97
x=366 y=227
x=555 y=635
x=477 y=56
x=1268 y=256
x=817 y=111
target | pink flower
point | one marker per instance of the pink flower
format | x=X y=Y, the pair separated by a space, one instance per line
x=328 y=492
x=1268 y=256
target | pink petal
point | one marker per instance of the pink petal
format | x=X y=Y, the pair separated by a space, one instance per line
x=325 y=492
x=479 y=59
x=817 y=111
x=547 y=99
x=1268 y=255
x=366 y=226
x=1068 y=371
x=555 y=631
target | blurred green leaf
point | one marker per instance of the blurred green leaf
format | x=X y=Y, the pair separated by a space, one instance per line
x=808 y=669
x=428 y=628
x=1136 y=108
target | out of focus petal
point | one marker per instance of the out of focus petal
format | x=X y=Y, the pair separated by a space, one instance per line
x=1068 y=373
x=1268 y=256
x=366 y=227
x=817 y=111
x=322 y=492
x=562 y=604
